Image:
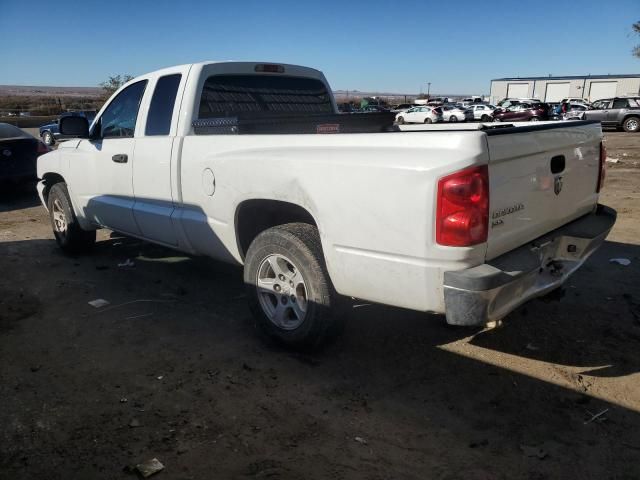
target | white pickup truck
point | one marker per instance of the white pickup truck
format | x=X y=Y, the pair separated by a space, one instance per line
x=250 y=163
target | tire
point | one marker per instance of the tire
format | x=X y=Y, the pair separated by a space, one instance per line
x=288 y=287
x=70 y=237
x=453 y=118
x=631 y=124
x=485 y=118
x=496 y=119
x=47 y=138
x=534 y=119
x=401 y=120
x=428 y=120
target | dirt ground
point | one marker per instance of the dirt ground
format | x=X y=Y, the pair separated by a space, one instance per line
x=173 y=369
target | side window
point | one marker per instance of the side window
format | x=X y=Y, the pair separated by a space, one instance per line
x=119 y=118
x=620 y=103
x=162 y=102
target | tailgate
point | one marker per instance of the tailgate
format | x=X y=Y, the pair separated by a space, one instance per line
x=540 y=178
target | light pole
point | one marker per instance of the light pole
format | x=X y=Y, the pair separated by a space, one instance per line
x=428 y=90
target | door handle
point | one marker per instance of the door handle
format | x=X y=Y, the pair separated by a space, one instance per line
x=120 y=158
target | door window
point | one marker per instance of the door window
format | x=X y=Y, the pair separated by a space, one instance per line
x=119 y=118
x=162 y=103
x=620 y=103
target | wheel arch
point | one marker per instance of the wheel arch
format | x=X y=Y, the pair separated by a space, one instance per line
x=254 y=216
x=49 y=179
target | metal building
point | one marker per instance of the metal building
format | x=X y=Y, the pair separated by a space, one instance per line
x=554 y=89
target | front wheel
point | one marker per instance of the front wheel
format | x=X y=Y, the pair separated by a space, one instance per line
x=534 y=119
x=427 y=120
x=453 y=118
x=70 y=237
x=288 y=287
x=631 y=124
x=485 y=118
x=496 y=119
x=48 y=139
x=400 y=120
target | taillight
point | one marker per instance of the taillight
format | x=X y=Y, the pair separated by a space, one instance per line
x=42 y=148
x=462 y=215
x=603 y=167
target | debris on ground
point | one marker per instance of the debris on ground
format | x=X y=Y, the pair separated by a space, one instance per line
x=612 y=160
x=534 y=451
x=99 y=303
x=598 y=416
x=620 y=261
x=135 y=423
x=123 y=400
x=482 y=443
x=148 y=468
x=532 y=347
x=360 y=440
x=127 y=263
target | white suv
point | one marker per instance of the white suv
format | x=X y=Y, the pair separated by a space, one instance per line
x=483 y=113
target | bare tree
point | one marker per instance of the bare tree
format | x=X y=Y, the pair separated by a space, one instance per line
x=114 y=83
x=636 y=30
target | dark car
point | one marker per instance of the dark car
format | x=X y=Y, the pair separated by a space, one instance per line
x=522 y=112
x=19 y=153
x=618 y=112
x=50 y=132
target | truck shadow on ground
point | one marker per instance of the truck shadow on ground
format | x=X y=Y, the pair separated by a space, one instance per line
x=390 y=379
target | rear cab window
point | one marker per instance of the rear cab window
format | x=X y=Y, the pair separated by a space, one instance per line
x=262 y=96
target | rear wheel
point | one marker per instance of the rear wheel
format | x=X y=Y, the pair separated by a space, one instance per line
x=288 y=287
x=70 y=237
x=453 y=118
x=631 y=124
x=534 y=119
x=427 y=120
x=485 y=118
x=496 y=119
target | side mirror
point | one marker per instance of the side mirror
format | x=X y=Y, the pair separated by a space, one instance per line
x=74 y=127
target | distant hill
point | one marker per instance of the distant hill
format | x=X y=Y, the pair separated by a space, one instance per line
x=41 y=91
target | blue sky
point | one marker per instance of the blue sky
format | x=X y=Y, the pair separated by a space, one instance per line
x=457 y=45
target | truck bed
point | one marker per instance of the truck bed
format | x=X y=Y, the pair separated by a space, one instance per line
x=296 y=124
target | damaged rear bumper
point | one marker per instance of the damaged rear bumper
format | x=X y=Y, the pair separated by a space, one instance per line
x=490 y=291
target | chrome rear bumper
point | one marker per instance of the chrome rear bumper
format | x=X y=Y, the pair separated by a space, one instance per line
x=492 y=290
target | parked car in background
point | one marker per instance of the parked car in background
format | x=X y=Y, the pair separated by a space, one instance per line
x=618 y=112
x=347 y=108
x=522 y=112
x=50 y=132
x=19 y=152
x=575 y=100
x=453 y=113
x=374 y=109
x=575 y=111
x=483 y=113
x=402 y=107
x=422 y=114
x=508 y=102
